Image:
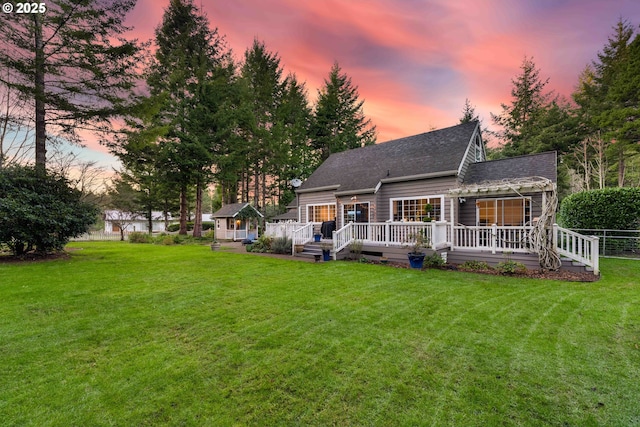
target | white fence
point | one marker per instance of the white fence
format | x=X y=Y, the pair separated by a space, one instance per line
x=98 y=236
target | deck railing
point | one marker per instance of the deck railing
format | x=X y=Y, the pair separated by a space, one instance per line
x=301 y=235
x=577 y=246
x=392 y=234
x=492 y=238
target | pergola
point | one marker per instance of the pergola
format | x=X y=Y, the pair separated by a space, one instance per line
x=541 y=236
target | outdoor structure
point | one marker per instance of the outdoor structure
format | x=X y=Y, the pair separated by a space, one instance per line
x=439 y=184
x=116 y=221
x=236 y=221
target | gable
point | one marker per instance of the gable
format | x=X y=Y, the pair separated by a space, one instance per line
x=436 y=153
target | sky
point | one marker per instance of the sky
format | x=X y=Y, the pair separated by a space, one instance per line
x=414 y=61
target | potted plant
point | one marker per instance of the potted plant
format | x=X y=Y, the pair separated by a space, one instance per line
x=215 y=245
x=416 y=256
x=427 y=212
x=326 y=252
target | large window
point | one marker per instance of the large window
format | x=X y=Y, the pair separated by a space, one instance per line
x=511 y=212
x=417 y=209
x=320 y=213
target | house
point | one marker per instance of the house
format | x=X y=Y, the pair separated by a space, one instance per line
x=116 y=221
x=236 y=221
x=441 y=185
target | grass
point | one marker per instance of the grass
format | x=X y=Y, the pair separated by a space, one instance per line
x=123 y=334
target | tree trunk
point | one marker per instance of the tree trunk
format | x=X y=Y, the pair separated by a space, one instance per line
x=621 y=166
x=197 y=223
x=150 y=220
x=183 y=210
x=40 y=124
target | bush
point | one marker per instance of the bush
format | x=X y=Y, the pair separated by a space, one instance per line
x=281 y=245
x=40 y=212
x=474 y=265
x=263 y=244
x=433 y=261
x=510 y=267
x=138 y=237
x=610 y=208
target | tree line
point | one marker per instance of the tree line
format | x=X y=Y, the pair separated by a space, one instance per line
x=596 y=133
x=180 y=112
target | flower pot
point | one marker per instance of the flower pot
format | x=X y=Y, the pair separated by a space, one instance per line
x=317 y=237
x=215 y=246
x=326 y=255
x=416 y=260
x=299 y=248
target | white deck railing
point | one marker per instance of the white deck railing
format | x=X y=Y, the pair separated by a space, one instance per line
x=492 y=238
x=577 y=246
x=391 y=234
x=301 y=235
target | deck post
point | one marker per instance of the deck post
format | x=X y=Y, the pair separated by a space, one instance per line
x=494 y=238
x=452 y=203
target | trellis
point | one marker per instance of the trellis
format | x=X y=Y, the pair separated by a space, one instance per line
x=540 y=239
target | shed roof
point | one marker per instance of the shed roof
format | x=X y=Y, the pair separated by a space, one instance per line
x=231 y=210
x=362 y=169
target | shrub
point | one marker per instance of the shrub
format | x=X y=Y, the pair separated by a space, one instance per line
x=281 y=245
x=138 y=237
x=40 y=211
x=510 y=267
x=263 y=244
x=609 y=208
x=433 y=261
x=474 y=265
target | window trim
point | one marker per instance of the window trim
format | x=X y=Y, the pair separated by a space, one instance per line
x=430 y=197
x=310 y=205
x=527 y=220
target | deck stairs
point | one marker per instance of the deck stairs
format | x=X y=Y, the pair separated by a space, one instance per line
x=313 y=250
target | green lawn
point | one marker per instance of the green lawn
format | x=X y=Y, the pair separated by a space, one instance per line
x=123 y=334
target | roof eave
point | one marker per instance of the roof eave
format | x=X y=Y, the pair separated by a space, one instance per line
x=314 y=189
x=419 y=176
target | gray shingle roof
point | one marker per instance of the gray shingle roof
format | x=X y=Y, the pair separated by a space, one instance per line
x=543 y=164
x=362 y=168
x=231 y=210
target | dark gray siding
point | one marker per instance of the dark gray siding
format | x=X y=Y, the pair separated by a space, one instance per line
x=413 y=189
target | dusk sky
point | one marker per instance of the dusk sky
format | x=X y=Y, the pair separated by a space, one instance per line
x=415 y=61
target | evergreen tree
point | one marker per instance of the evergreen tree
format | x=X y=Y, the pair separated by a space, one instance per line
x=608 y=105
x=519 y=119
x=468 y=113
x=262 y=76
x=71 y=61
x=188 y=55
x=339 y=122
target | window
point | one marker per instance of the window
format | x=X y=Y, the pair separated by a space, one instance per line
x=356 y=212
x=510 y=212
x=417 y=209
x=321 y=213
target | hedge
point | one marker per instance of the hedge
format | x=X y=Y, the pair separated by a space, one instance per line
x=609 y=208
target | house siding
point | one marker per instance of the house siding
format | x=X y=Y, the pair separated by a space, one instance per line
x=471 y=155
x=410 y=189
x=319 y=198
